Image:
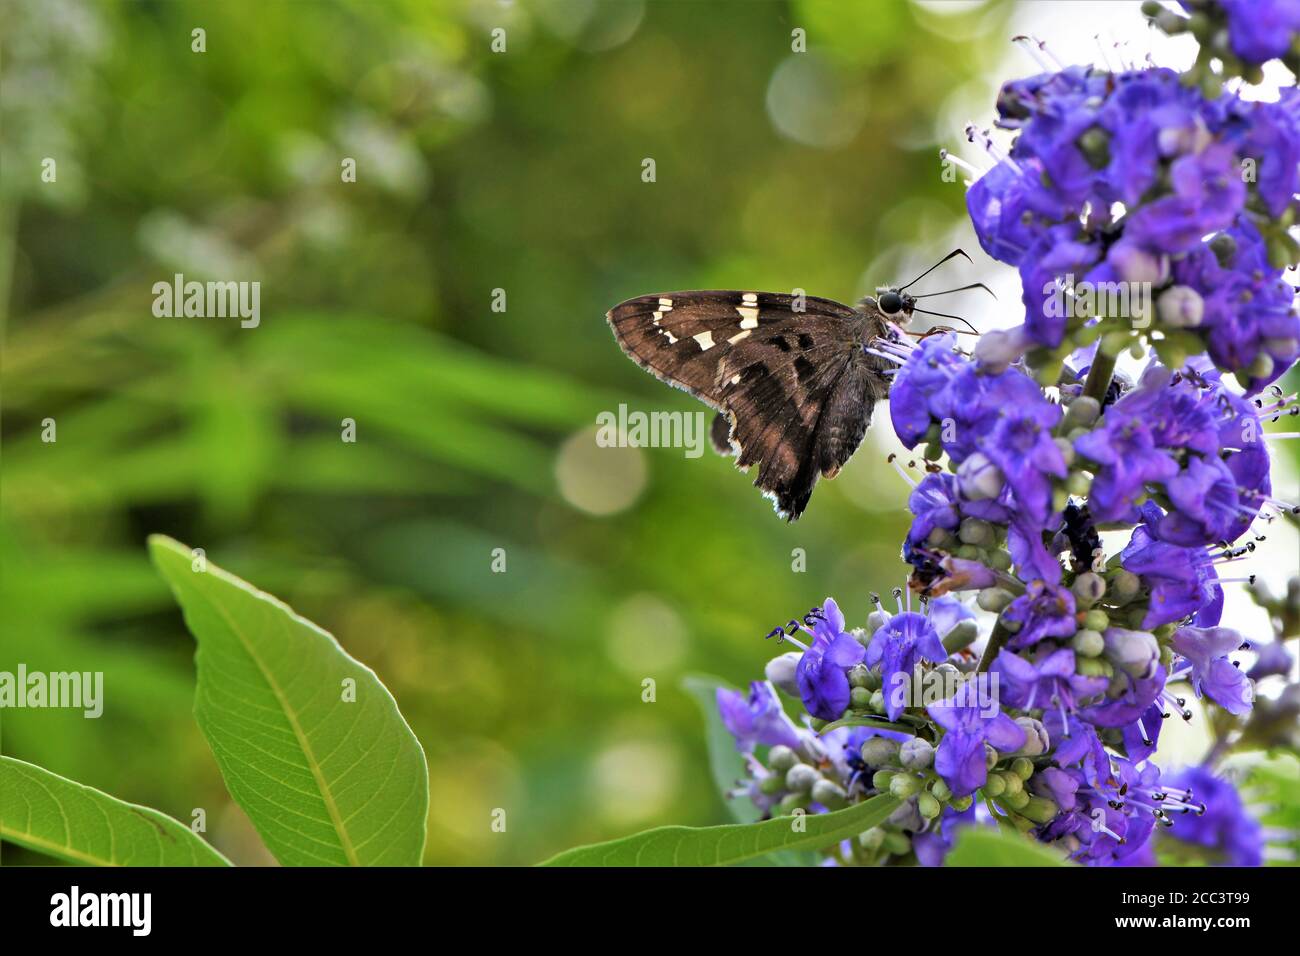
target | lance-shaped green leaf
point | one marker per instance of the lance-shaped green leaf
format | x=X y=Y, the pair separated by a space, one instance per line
x=309 y=741
x=987 y=846
x=62 y=818
x=735 y=843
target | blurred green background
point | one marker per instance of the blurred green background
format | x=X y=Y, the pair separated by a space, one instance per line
x=475 y=171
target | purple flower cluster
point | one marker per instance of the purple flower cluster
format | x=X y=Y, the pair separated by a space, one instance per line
x=1114 y=180
x=1164 y=203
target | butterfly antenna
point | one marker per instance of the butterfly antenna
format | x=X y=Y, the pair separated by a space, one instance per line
x=946 y=315
x=973 y=285
x=951 y=255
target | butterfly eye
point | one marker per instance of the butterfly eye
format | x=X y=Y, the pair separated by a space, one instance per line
x=890 y=303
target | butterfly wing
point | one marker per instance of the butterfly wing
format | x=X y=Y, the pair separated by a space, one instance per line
x=770 y=369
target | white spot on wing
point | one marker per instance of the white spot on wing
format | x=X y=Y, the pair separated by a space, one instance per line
x=748 y=316
x=739 y=336
x=705 y=339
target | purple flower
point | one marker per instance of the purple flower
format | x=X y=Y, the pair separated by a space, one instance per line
x=1273 y=660
x=1044 y=610
x=1020 y=444
x=1181 y=581
x=1261 y=30
x=970 y=719
x=1205 y=657
x=757 y=718
x=1048 y=681
x=919 y=391
x=898 y=646
x=1136 y=694
x=1075 y=743
x=1207 y=196
x=1125 y=448
x=822 y=671
x=1205 y=503
x=1224 y=826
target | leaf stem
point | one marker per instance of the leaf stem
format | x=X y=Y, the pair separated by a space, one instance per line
x=1100 y=374
x=996 y=641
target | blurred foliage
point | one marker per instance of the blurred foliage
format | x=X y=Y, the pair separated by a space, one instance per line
x=476 y=171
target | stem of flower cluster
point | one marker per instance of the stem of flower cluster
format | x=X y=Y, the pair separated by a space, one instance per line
x=1100 y=374
x=994 y=646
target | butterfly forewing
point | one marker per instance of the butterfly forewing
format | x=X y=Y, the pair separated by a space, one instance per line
x=772 y=364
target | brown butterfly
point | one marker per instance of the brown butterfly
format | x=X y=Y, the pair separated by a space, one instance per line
x=792 y=378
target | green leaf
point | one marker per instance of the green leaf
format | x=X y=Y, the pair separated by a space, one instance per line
x=734 y=843
x=60 y=817
x=325 y=781
x=725 y=762
x=985 y=846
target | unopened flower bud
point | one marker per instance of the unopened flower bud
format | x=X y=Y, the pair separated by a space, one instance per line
x=995 y=786
x=859 y=699
x=991 y=756
x=1180 y=307
x=994 y=599
x=1081 y=413
x=1012 y=781
x=975 y=531
x=801 y=777
x=1096 y=620
x=1124 y=587
x=962 y=804
x=1039 y=809
x=1016 y=801
x=780 y=671
x=872 y=839
x=928 y=806
x=772 y=784
x=1134 y=652
x=790 y=803
x=1088 y=588
x=960 y=635
x=904 y=785
x=916 y=753
x=829 y=794
x=1088 y=643
x=1036 y=739
x=781 y=758
x=877 y=701
x=881 y=779
x=879 y=752
x=941 y=791
x=998 y=348
x=859 y=674
x=876 y=620
x=897 y=843
x=979 y=479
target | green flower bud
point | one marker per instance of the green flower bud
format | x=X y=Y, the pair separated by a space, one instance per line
x=790 y=803
x=991 y=757
x=1078 y=484
x=828 y=794
x=872 y=839
x=1081 y=413
x=928 y=806
x=1013 y=783
x=999 y=560
x=1088 y=643
x=881 y=779
x=875 y=620
x=976 y=531
x=962 y=634
x=904 y=785
x=897 y=843
x=1093 y=667
x=941 y=791
x=858 y=675
x=878 y=752
x=1124 y=587
x=1016 y=801
x=1066 y=449
x=995 y=786
x=801 y=777
x=781 y=758
x=1040 y=810
x=1022 y=767
x=916 y=753
x=877 y=702
x=962 y=804
x=994 y=599
x=1088 y=588
x=1096 y=620
x=859 y=698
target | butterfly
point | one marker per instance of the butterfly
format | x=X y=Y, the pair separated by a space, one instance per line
x=794 y=379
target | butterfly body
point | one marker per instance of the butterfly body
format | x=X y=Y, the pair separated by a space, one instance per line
x=791 y=377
